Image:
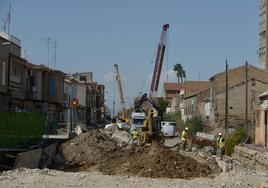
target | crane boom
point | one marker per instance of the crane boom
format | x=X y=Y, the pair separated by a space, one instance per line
x=120 y=90
x=159 y=61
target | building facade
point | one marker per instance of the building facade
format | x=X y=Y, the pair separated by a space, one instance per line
x=176 y=93
x=9 y=45
x=257 y=82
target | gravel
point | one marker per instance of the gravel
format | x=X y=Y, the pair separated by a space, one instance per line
x=59 y=179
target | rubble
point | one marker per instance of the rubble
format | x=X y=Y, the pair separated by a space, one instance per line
x=106 y=153
x=209 y=150
x=155 y=161
x=88 y=148
x=251 y=158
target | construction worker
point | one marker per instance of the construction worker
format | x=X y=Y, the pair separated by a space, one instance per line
x=184 y=136
x=220 y=145
x=135 y=136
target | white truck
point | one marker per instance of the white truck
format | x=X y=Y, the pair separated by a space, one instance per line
x=168 y=128
x=137 y=120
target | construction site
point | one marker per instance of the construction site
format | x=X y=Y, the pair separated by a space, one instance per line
x=101 y=159
x=61 y=129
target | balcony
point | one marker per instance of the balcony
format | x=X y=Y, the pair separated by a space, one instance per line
x=15 y=79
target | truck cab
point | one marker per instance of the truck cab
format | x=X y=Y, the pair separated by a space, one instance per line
x=137 y=120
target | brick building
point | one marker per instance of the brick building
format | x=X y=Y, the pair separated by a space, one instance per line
x=257 y=84
x=175 y=93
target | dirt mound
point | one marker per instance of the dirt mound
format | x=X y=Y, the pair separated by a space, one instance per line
x=155 y=161
x=96 y=150
x=88 y=148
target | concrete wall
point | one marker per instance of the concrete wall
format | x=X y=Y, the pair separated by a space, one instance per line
x=81 y=94
x=190 y=107
x=261 y=128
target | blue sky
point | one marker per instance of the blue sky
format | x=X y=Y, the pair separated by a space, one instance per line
x=93 y=35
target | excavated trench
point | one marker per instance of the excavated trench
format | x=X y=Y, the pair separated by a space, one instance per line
x=95 y=150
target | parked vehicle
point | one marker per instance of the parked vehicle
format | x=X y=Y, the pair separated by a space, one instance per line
x=137 y=120
x=168 y=128
x=121 y=126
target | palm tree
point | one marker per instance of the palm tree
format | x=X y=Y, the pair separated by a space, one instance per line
x=180 y=72
x=181 y=75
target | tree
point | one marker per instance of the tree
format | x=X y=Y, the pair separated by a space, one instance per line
x=163 y=103
x=180 y=72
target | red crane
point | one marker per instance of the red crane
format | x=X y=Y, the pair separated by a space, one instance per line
x=159 y=61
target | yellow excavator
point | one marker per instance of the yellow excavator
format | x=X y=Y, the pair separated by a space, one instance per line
x=152 y=124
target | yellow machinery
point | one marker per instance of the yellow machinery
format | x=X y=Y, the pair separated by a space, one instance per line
x=147 y=130
x=152 y=127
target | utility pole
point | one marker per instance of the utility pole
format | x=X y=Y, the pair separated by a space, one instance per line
x=226 y=95
x=246 y=97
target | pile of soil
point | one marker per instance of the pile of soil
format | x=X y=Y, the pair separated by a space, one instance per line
x=95 y=150
x=88 y=148
x=155 y=162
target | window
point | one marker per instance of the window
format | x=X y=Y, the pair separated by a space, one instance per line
x=83 y=78
x=51 y=87
x=4 y=73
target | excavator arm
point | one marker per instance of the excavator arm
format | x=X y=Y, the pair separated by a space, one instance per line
x=144 y=98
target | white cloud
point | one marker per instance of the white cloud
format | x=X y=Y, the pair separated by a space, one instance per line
x=109 y=76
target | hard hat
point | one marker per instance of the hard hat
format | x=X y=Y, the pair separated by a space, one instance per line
x=186 y=128
x=219 y=134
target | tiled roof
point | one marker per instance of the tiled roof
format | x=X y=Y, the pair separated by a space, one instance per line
x=172 y=86
x=191 y=87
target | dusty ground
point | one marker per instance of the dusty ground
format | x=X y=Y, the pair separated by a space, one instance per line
x=52 y=178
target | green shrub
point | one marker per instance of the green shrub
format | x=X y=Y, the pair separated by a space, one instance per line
x=172 y=116
x=195 y=124
x=176 y=117
x=233 y=139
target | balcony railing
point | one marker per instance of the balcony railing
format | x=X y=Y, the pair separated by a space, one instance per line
x=15 y=79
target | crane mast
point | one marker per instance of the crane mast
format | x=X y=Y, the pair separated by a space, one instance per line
x=120 y=90
x=159 y=61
